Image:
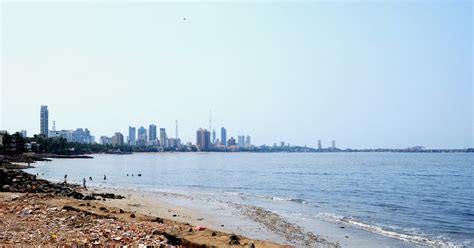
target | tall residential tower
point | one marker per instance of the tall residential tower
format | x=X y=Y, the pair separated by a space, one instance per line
x=132 y=138
x=224 y=136
x=152 y=132
x=44 y=115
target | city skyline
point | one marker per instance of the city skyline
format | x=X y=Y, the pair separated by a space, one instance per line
x=311 y=79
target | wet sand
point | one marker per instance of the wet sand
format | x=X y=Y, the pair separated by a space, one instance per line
x=250 y=221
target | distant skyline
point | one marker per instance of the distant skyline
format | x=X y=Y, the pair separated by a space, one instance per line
x=365 y=74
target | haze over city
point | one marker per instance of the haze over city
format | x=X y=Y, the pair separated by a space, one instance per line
x=363 y=74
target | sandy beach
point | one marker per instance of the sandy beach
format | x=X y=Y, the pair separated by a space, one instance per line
x=37 y=212
x=247 y=220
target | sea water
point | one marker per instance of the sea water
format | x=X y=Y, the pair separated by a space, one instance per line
x=421 y=198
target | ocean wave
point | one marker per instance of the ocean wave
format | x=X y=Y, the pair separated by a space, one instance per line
x=297 y=200
x=413 y=238
x=273 y=198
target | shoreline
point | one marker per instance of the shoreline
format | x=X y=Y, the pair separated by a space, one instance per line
x=212 y=216
x=28 y=204
x=247 y=220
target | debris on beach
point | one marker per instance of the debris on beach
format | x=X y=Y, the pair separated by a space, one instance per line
x=35 y=212
x=200 y=228
x=29 y=220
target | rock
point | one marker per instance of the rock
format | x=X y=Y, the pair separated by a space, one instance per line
x=132 y=215
x=6 y=187
x=121 y=211
x=234 y=239
x=213 y=234
x=76 y=195
x=157 y=219
x=252 y=246
x=88 y=197
x=70 y=208
x=234 y=242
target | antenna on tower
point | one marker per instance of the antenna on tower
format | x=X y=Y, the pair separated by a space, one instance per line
x=54 y=125
x=210 y=121
x=177 y=129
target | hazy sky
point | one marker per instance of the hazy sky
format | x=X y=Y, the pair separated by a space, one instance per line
x=367 y=74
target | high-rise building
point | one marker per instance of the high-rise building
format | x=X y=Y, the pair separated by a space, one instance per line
x=23 y=133
x=104 y=140
x=132 y=136
x=213 y=136
x=247 y=141
x=163 y=138
x=152 y=132
x=320 y=145
x=224 y=136
x=66 y=134
x=333 y=144
x=241 y=140
x=203 y=139
x=117 y=139
x=44 y=116
x=231 y=142
x=142 y=138
x=80 y=135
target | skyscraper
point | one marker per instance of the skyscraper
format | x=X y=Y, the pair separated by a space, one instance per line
x=132 y=131
x=152 y=132
x=231 y=142
x=142 y=137
x=44 y=116
x=320 y=145
x=163 y=138
x=333 y=144
x=213 y=136
x=241 y=140
x=224 y=136
x=203 y=139
x=117 y=139
x=247 y=141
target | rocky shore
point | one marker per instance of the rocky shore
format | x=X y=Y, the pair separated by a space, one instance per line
x=37 y=212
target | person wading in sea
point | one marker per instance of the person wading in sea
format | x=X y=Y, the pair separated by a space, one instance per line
x=84 y=183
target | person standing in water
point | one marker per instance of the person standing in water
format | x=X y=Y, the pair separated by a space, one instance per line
x=84 y=183
x=105 y=178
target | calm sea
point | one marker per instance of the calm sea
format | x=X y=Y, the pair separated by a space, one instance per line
x=408 y=196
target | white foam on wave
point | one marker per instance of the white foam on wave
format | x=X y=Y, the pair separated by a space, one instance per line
x=273 y=198
x=417 y=239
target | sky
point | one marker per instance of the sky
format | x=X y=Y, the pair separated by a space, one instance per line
x=366 y=74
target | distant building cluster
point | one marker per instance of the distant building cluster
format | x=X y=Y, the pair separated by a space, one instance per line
x=142 y=137
x=79 y=135
x=204 y=141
